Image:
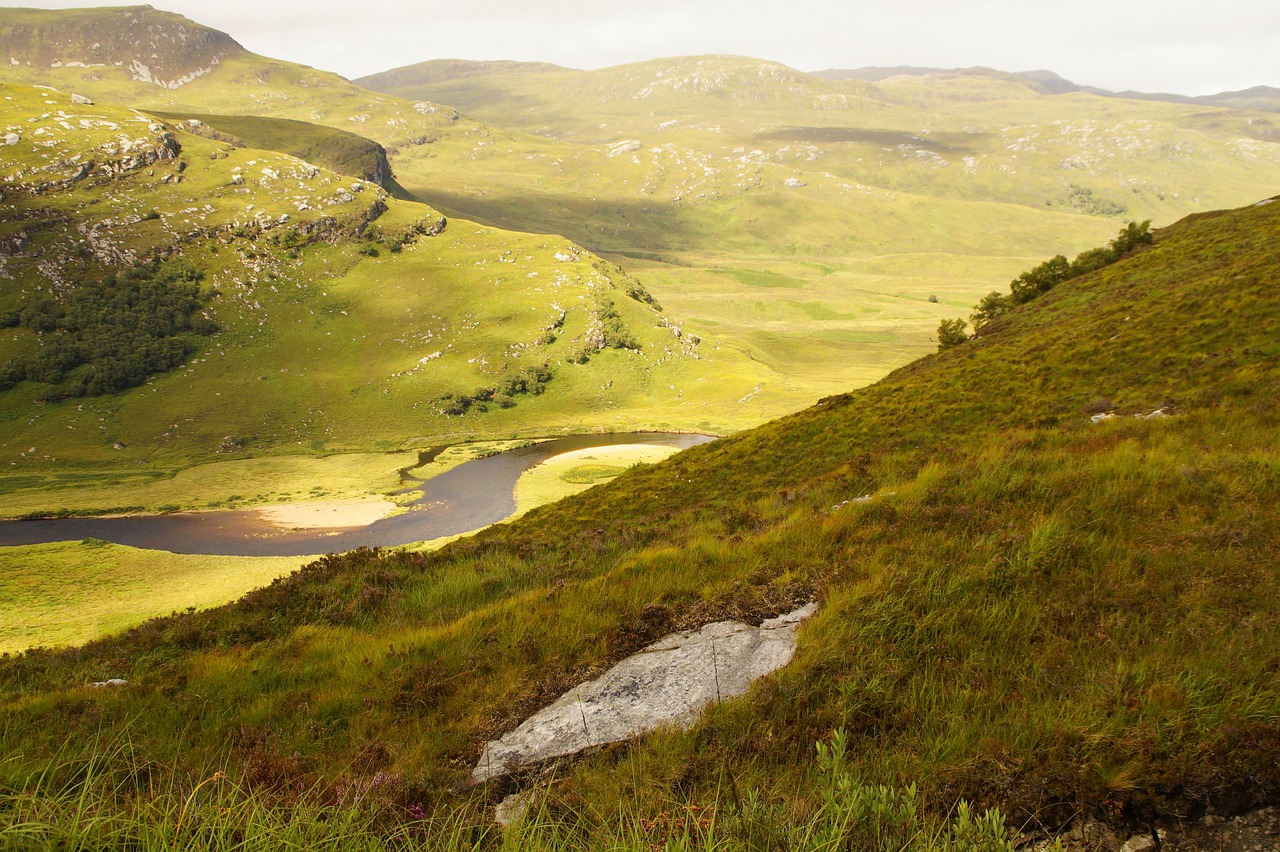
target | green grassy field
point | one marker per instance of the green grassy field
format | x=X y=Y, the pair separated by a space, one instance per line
x=70 y=593
x=1020 y=607
x=571 y=473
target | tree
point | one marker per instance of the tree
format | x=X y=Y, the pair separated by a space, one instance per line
x=989 y=307
x=951 y=332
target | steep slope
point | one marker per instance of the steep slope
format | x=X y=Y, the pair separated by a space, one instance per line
x=345 y=153
x=344 y=318
x=1022 y=603
x=115 y=43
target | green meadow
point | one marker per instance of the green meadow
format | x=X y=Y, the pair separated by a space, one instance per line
x=56 y=595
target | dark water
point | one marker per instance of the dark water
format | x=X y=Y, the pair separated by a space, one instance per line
x=470 y=496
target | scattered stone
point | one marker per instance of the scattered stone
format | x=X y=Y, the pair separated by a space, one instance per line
x=12 y=139
x=115 y=681
x=231 y=444
x=513 y=808
x=793 y=183
x=81 y=100
x=669 y=682
x=1139 y=843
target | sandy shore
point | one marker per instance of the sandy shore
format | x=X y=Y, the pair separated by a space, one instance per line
x=621 y=455
x=326 y=514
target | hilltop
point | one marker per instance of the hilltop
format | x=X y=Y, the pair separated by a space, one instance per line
x=1043 y=561
x=1258 y=98
x=143 y=57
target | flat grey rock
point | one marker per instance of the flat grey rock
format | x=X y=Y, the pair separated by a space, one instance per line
x=667 y=683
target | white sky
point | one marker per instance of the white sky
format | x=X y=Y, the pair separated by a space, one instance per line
x=1189 y=47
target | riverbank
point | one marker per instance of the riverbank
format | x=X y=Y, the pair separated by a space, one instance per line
x=69 y=592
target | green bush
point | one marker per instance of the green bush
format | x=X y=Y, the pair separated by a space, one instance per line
x=951 y=332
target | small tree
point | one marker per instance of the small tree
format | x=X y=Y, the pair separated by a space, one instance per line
x=992 y=305
x=951 y=332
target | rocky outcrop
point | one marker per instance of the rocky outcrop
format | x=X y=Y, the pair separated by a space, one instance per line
x=155 y=47
x=110 y=162
x=667 y=683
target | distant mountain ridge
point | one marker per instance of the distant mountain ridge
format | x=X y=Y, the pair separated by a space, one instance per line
x=1266 y=98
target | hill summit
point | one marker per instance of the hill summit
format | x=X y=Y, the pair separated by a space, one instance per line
x=154 y=47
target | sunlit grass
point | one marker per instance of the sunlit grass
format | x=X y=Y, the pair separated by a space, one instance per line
x=69 y=593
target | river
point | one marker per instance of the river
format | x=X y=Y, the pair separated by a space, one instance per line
x=465 y=498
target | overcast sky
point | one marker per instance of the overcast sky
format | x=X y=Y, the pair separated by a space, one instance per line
x=1189 y=47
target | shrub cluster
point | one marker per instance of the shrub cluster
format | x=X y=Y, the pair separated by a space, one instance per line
x=111 y=334
x=614 y=334
x=1043 y=278
x=530 y=380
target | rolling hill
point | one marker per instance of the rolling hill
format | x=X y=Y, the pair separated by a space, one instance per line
x=326 y=314
x=806 y=216
x=1047 y=581
x=821 y=228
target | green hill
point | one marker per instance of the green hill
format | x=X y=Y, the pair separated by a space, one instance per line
x=146 y=57
x=1044 y=558
x=805 y=217
x=323 y=314
x=345 y=153
x=820 y=227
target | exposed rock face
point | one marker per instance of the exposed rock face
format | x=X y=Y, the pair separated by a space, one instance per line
x=669 y=682
x=155 y=47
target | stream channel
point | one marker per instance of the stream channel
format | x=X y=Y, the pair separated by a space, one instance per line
x=470 y=496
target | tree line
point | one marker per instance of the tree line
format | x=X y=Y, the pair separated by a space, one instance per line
x=1043 y=278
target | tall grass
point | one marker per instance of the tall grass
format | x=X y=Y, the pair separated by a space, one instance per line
x=112 y=800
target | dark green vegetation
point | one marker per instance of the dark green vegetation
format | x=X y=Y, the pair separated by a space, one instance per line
x=1029 y=608
x=105 y=336
x=1043 y=278
x=344 y=153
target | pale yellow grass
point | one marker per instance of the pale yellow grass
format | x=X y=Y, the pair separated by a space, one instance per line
x=69 y=593
x=545 y=483
x=250 y=482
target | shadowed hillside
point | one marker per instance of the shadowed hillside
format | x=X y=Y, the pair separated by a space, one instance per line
x=1044 y=560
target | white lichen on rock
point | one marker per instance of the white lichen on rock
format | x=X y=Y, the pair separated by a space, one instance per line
x=667 y=683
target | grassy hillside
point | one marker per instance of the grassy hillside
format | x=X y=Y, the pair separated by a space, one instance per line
x=343 y=152
x=806 y=217
x=861 y=214
x=345 y=319
x=1020 y=605
x=146 y=57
